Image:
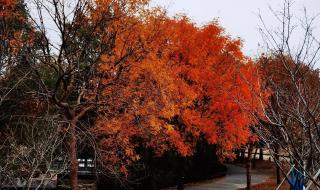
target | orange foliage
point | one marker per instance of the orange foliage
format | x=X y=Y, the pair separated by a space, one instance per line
x=212 y=64
x=178 y=83
x=8 y=10
x=160 y=83
x=13 y=22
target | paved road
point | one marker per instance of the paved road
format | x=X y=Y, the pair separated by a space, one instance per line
x=235 y=178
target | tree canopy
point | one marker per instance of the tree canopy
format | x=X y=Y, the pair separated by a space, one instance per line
x=128 y=76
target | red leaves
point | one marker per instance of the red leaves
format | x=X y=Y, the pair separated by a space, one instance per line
x=187 y=85
x=214 y=67
x=13 y=26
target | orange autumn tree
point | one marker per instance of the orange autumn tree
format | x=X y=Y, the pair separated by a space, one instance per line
x=16 y=40
x=121 y=30
x=212 y=64
x=12 y=20
x=14 y=33
x=150 y=81
x=142 y=98
x=90 y=35
x=187 y=85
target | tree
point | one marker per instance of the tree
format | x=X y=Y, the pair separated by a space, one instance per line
x=289 y=123
x=186 y=88
x=67 y=70
x=32 y=153
x=213 y=66
x=15 y=36
x=143 y=103
x=291 y=135
x=138 y=77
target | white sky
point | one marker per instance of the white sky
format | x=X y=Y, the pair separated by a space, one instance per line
x=238 y=17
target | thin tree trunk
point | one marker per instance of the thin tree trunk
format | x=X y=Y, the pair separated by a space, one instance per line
x=277 y=167
x=248 y=167
x=73 y=156
x=261 y=154
x=254 y=158
x=243 y=154
x=255 y=153
x=238 y=154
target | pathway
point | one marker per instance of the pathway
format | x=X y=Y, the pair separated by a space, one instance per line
x=235 y=178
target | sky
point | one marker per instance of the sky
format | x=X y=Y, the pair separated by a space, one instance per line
x=239 y=17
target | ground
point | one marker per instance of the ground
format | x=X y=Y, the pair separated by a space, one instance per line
x=263 y=178
x=269 y=169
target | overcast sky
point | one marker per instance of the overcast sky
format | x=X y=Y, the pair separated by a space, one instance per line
x=238 y=17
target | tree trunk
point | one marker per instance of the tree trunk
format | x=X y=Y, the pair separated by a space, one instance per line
x=261 y=154
x=248 y=167
x=243 y=154
x=254 y=158
x=238 y=154
x=277 y=157
x=73 y=156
